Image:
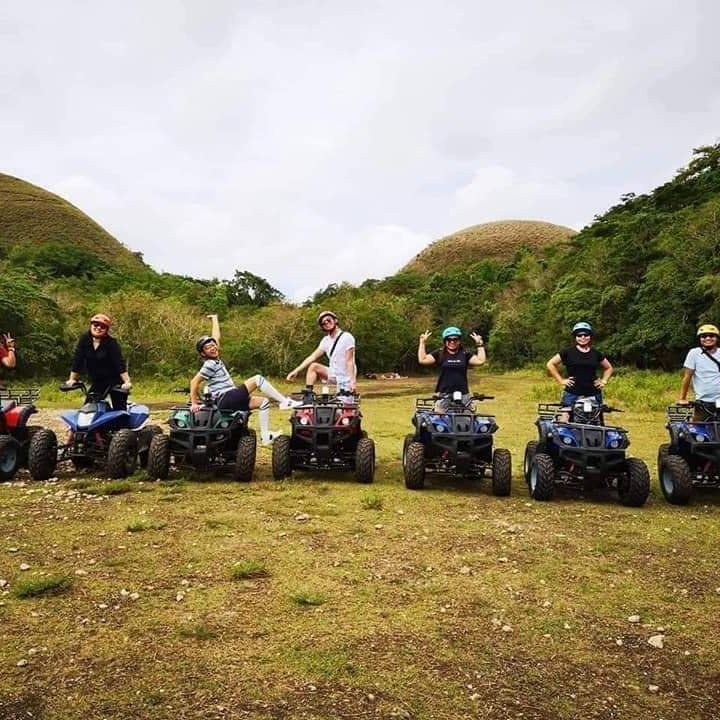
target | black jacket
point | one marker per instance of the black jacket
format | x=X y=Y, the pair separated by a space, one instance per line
x=102 y=366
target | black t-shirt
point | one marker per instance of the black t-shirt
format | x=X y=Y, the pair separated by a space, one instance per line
x=582 y=366
x=453 y=370
x=102 y=365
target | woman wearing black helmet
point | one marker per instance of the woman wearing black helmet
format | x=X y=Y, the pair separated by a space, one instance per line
x=228 y=396
x=581 y=362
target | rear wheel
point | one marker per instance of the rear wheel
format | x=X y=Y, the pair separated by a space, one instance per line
x=501 y=472
x=245 y=458
x=542 y=477
x=663 y=452
x=42 y=454
x=365 y=460
x=122 y=454
x=9 y=457
x=414 y=466
x=158 y=463
x=530 y=452
x=675 y=480
x=634 y=488
x=281 y=457
x=145 y=437
x=408 y=439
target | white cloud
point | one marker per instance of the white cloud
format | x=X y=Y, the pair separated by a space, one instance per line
x=317 y=142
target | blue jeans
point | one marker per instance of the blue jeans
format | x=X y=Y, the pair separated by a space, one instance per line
x=568 y=398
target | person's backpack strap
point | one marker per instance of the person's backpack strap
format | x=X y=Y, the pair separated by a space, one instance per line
x=706 y=353
x=342 y=332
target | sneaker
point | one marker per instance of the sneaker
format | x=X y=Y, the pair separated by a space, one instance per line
x=288 y=404
x=267 y=438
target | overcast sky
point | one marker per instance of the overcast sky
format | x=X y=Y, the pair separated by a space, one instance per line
x=314 y=141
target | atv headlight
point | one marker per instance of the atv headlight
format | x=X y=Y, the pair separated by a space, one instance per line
x=484 y=428
x=304 y=420
x=345 y=421
x=181 y=423
x=700 y=438
x=567 y=440
x=84 y=418
x=439 y=428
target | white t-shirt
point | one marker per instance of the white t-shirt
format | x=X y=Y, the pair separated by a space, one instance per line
x=706 y=378
x=339 y=369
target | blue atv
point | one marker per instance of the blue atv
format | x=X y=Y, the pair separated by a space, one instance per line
x=450 y=438
x=207 y=440
x=692 y=457
x=577 y=450
x=99 y=434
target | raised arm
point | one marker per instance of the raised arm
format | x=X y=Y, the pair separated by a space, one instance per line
x=215 y=329
x=424 y=358
x=479 y=358
x=9 y=360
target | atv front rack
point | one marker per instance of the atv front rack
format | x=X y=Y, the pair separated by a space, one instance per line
x=24 y=396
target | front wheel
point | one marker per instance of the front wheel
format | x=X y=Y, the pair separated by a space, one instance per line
x=42 y=454
x=675 y=480
x=634 y=487
x=145 y=438
x=245 y=458
x=365 y=460
x=414 y=466
x=542 y=477
x=9 y=457
x=281 y=457
x=122 y=454
x=501 y=472
x=158 y=464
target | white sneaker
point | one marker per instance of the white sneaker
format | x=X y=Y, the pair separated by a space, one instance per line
x=267 y=438
x=288 y=404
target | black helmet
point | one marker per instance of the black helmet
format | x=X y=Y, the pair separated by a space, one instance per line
x=202 y=341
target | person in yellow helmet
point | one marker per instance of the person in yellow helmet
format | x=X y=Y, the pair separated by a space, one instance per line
x=702 y=369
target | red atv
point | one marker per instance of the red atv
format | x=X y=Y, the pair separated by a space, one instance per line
x=16 y=407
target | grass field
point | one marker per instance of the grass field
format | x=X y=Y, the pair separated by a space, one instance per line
x=321 y=598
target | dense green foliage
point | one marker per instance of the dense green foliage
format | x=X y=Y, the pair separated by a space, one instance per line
x=644 y=273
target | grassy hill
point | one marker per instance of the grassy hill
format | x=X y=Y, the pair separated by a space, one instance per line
x=490 y=241
x=32 y=218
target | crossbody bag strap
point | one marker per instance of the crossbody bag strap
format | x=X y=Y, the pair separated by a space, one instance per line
x=342 y=332
x=707 y=354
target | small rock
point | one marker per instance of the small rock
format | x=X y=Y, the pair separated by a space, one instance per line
x=567 y=626
x=134 y=596
x=619 y=641
x=24 y=566
x=653 y=688
x=102 y=606
x=657 y=641
x=634 y=619
x=302 y=517
x=81 y=572
x=185 y=582
x=3 y=583
x=12 y=549
x=465 y=570
x=179 y=597
x=124 y=592
x=475 y=697
x=379 y=526
x=22 y=663
x=33 y=651
x=370 y=697
x=506 y=629
x=547 y=604
x=502 y=559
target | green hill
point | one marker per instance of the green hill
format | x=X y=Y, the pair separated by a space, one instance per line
x=497 y=241
x=34 y=221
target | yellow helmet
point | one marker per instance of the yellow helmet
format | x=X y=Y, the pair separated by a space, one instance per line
x=708 y=329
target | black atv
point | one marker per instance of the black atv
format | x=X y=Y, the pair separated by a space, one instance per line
x=325 y=434
x=577 y=450
x=451 y=438
x=208 y=440
x=692 y=457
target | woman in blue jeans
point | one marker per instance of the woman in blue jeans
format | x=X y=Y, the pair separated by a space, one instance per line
x=581 y=362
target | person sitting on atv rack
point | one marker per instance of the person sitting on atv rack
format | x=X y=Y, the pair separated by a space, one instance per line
x=453 y=360
x=339 y=346
x=702 y=368
x=227 y=395
x=7 y=351
x=99 y=356
x=581 y=362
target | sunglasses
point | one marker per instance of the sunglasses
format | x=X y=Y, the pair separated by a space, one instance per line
x=100 y=325
x=583 y=335
x=327 y=318
x=452 y=339
x=708 y=335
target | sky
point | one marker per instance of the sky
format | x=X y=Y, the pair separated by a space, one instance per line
x=316 y=142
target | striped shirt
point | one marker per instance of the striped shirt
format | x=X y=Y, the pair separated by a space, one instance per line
x=217 y=378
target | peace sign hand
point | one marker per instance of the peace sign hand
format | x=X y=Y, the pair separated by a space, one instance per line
x=424 y=336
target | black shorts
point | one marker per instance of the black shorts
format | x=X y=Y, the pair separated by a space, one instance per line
x=236 y=399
